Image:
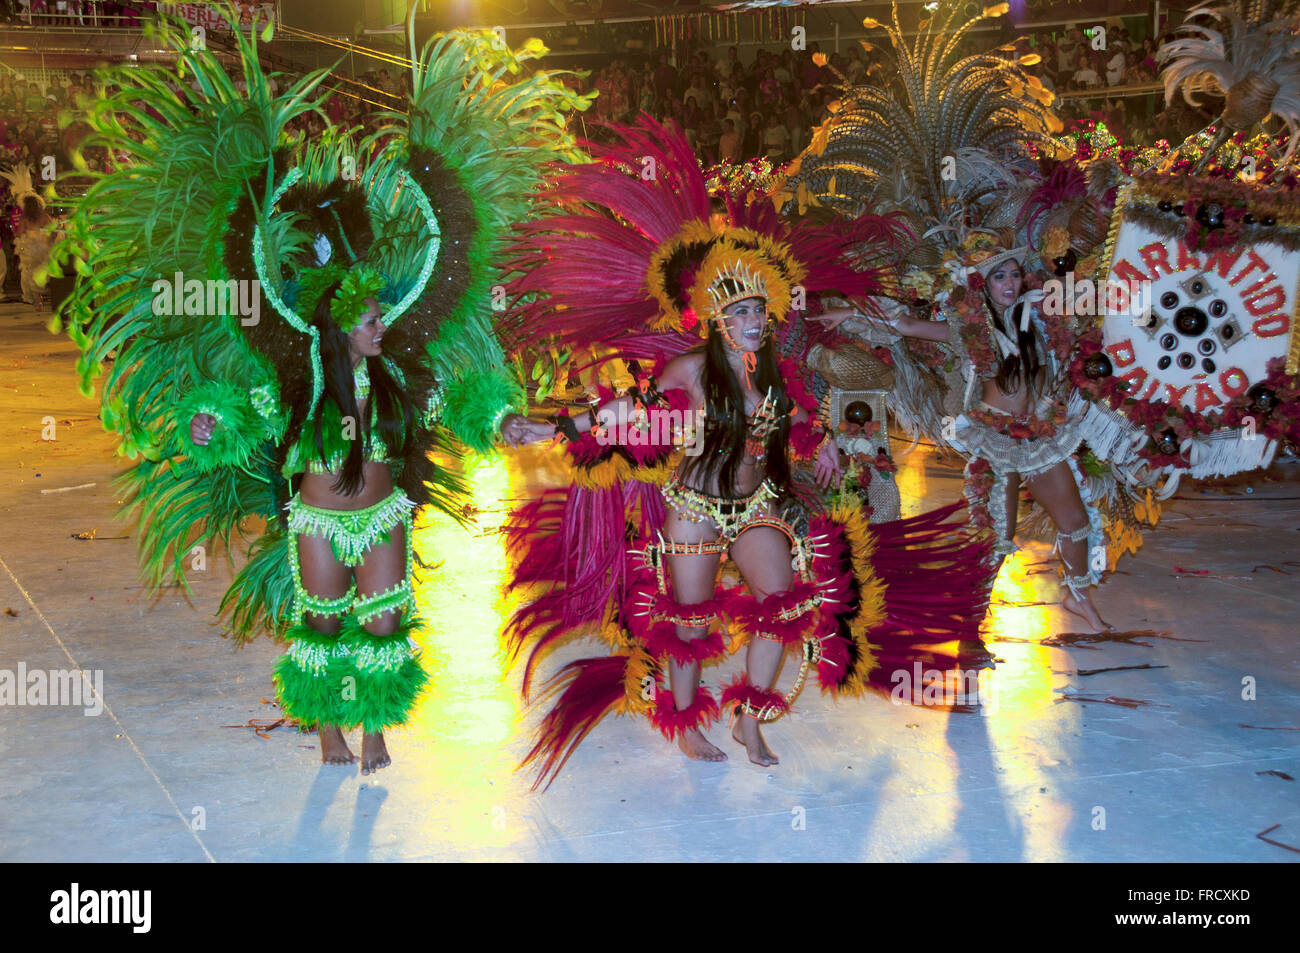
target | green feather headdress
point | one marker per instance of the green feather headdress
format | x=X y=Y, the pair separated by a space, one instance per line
x=349 y=302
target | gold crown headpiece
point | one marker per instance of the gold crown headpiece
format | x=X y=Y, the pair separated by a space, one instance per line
x=728 y=266
x=735 y=281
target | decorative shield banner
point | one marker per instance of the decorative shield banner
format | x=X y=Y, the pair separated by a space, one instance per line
x=1198 y=365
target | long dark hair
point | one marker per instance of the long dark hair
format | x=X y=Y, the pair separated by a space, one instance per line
x=726 y=422
x=1013 y=369
x=396 y=414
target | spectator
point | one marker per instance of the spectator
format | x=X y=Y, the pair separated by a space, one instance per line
x=665 y=80
x=1067 y=51
x=856 y=71
x=737 y=116
x=729 y=143
x=1148 y=62
x=783 y=71
x=729 y=67
x=1085 y=77
x=776 y=140
x=769 y=90
x=812 y=74
x=646 y=97
x=754 y=134
x=1115 y=68
x=796 y=121
x=698 y=90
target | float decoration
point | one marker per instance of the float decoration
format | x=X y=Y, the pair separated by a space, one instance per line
x=1197 y=325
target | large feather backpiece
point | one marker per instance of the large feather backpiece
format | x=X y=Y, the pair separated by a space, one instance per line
x=940 y=139
x=1250 y=56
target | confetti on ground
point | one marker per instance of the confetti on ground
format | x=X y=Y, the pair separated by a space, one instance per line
x=1132 y=637
x=1203 y=573
x=1276 y=843
x=66 y=489
x=1114 y=668
x=1084 y=639
x=1110 y=700
x=261 y=726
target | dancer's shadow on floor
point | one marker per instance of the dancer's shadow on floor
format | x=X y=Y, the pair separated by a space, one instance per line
x=983 y=822
x=307 y=843
x=370 y=799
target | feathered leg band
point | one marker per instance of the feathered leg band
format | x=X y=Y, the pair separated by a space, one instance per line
x=352 y=678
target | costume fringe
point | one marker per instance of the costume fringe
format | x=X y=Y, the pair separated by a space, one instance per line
x=238 y=431
x=572 y=543
x=312 y=694
x=661 y=640
x=672 y=723
x=588 y=690
x=261 y=595
x=389 y=676
x=921 y=582
x=474 y=406
x=750 y=616
x=739 y=691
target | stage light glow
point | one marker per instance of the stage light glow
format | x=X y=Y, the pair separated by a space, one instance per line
x=911 y=479
x=1023 y=613
x=466 y=725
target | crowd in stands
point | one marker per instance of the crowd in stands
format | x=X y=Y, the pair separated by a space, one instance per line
x=77 y=12
x=1071 y=62
x=727 y=108
x=731 y=107
x=29 y=115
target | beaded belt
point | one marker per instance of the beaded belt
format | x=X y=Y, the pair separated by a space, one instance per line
x=730 y=516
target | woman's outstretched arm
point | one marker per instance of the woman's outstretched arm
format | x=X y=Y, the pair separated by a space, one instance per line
x=517 y=430
x=906 y=324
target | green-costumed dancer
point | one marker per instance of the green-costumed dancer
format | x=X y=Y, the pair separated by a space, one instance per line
x=294 y=331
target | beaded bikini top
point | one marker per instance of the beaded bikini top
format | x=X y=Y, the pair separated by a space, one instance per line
x=304 y=455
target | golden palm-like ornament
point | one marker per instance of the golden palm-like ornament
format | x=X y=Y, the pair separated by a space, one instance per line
x=939 y=141
x=1252 y=60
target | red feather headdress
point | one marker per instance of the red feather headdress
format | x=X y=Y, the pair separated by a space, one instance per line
x=637 y=258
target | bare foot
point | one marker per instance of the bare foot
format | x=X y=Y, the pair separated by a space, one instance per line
x=746 y=732
x=696 y=747
x=1085 y=610
x=333 y=748
x=374 y=753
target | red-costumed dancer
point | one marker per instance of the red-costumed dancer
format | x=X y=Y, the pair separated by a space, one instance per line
x=690 y=466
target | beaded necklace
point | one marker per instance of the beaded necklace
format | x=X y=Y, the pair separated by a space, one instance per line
x=361 y=381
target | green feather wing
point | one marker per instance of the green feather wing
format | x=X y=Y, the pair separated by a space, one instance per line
x=188 y=144
x=479 y=135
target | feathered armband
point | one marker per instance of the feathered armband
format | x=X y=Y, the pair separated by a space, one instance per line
x=240 y=428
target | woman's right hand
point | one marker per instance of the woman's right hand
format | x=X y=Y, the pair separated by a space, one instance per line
x=834 y=317
x=517 y=430
x=201 y=426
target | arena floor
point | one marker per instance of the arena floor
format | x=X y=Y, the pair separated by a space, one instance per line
x=1189 y=759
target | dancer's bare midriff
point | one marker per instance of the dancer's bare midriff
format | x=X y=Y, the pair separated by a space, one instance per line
x=1020 y=401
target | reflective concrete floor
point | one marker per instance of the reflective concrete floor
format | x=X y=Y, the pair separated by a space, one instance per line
x=1190 y=769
